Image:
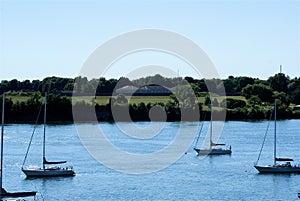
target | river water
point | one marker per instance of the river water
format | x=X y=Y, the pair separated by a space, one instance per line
x=228 y=177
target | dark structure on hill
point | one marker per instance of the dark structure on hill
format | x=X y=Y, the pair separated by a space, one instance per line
x=147 y=90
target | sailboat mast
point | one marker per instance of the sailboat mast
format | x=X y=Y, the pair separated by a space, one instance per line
x=210 y=134
x=44 y=138
x=2 y=134
x=275 y=132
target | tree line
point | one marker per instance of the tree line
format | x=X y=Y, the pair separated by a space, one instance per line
x=278 y=85
x=259 y=94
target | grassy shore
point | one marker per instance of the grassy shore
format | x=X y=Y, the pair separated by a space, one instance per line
x=23 y=107
x=103 y=100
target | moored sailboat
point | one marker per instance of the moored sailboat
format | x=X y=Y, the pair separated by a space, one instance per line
x=214 y=148
x=280 y=165
x=3 y=192
x=47 y=171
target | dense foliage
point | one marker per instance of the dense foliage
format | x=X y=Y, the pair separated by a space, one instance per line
x=257 y=104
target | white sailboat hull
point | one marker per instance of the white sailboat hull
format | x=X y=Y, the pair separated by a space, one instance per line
x=48 y=172
x=214 y=151
x=278 y=169
x=53 y=171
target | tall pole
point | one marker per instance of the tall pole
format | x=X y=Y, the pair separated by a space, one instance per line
x=275 y=132
x=280 y=68
x=2 y=134
x=44 y=138
x=211 y=124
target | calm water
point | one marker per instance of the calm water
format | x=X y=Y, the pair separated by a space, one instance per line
x=190 y=178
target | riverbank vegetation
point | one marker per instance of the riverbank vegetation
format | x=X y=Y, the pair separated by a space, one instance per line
x=241 y=97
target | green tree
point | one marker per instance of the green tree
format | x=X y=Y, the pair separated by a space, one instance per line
x=184 y=96
x=121 y=99
x=243 y=82
x=124 y=81
x=35 y=100
x=207 y=100
x=294 y=91
x=14 y=85
x=263 y=92
x=215 y=102
x=279 y=82
x=282 y=97
x=229 y=85
x=196 y=89
x=231 y=103
x=254 y=100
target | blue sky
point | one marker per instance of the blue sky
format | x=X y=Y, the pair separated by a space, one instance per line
x=242 y=38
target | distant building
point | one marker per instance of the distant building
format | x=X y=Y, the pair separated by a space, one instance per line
x=297 y=107
x=126 y=90
x=147 y=90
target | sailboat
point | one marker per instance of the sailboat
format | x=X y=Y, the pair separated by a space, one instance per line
x=214 y=148
x=280 y=165
x=3 y=192
x=47 y=171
